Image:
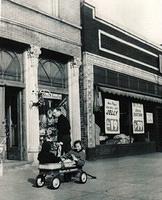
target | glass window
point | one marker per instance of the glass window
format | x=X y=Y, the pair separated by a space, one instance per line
x=52 y=73
x=10 y=67
x=47 y=122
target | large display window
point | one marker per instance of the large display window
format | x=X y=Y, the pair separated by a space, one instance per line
x=123 y=120
x=47 y=122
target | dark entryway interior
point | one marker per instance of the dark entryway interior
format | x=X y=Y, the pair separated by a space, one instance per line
x=12 y=123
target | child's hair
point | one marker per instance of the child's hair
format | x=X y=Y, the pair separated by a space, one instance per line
x=76 y=142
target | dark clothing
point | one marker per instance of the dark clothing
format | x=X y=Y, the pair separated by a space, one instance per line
x=45 y=156
x=63 y=127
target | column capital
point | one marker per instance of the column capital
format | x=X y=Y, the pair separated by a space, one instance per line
x=34 y=51
x=76 y=62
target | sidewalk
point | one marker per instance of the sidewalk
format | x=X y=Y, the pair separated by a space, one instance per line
x=126 y=178
x=11 y=164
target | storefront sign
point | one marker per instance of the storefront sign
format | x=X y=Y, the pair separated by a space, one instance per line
x=149 y=118
x=112 y=121
x=138 y=118
x=50 y=95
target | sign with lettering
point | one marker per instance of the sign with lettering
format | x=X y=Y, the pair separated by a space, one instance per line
x=138 y=118
x=149 y=118
x=112 y=114
x=50 y=95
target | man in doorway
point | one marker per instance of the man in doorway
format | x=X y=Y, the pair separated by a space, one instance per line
x=63 y=127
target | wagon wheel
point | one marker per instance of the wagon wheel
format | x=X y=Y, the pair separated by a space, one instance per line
x=55 y=183
x=40 y=181
x=83 y=177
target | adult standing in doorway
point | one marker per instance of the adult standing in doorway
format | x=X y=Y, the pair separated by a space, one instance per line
x=63 y=127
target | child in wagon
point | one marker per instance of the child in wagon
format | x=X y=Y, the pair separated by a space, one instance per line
x=76 y=154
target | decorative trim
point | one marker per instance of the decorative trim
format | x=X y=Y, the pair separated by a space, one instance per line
x=34 y=51
x=92 y=59
x=120 y=55
x=122 y=30
x=124 y=42
x=33 y=54
x=76 y=63
x=34 y=29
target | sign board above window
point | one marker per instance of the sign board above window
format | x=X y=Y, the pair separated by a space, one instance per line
x=50 y=95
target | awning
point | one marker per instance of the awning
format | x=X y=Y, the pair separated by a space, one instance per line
x=130 y=94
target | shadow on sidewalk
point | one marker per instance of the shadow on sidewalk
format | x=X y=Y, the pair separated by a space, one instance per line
x=32 y=181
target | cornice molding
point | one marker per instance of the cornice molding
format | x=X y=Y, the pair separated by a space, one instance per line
x=41 y=31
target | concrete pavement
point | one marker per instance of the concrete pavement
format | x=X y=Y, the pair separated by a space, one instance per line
x=126 y=178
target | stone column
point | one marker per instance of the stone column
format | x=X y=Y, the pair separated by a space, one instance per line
x=88 y=99
x=31 y=95
x=74 y=98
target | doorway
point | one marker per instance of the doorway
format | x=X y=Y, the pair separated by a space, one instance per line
x=12 y=118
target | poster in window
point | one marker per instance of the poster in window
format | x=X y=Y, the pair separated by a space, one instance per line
x=138 y=118
x=112 y=121
x=149 y=118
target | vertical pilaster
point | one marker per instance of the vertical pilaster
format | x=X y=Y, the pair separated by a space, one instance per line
x=74 y=98
x=31 y=95
x=88 y=101
x=2 y=112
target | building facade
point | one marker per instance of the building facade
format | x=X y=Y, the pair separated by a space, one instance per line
x=40 y=52
x=121 y=90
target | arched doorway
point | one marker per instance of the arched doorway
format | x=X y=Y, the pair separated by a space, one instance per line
x=11 y=102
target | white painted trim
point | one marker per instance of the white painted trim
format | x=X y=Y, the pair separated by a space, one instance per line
x=125 y=42
x=122 y=56
x=122 y=30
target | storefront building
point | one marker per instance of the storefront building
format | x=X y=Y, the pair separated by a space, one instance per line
x=40 y=52
x=121 y=89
